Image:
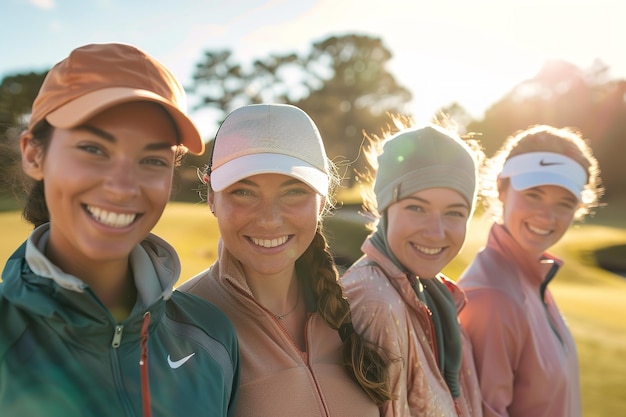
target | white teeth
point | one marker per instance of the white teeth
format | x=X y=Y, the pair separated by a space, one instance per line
x=269 y=243
x=110 y=218
x=539 y=231
x=428 y=251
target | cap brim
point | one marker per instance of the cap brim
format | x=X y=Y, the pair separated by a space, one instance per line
x=83 y=108
x=268 y=163
x=537 y=179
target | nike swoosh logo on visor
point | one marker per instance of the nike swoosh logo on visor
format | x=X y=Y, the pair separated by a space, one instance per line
x=546 y=164
x=180 y=362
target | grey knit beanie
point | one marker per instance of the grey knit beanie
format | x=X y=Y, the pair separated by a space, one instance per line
x=422 y=158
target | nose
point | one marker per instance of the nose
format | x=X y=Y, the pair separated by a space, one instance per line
x=546 y=211
x=434 y=226
x=269 y=213
x=121 y=181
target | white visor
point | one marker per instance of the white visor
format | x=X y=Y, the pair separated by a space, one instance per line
x=268 y=163
x=535 y=169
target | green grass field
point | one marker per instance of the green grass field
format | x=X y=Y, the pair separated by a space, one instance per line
x=592 y=300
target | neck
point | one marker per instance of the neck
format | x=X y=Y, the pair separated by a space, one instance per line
x=278 y=294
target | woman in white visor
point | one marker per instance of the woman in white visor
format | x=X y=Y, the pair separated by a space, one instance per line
x=537 y=184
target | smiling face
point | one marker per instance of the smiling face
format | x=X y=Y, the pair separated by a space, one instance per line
x=537 y=217
x=267 y=221
x=427 y=229
x=106 y=183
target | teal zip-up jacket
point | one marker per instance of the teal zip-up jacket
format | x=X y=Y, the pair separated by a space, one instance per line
x=63 y=354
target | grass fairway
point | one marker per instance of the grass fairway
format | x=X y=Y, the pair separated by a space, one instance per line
x=592 y=300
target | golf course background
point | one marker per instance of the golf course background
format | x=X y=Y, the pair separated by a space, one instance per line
x=592 y=300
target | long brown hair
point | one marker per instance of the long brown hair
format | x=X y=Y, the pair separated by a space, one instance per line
x=366 y=362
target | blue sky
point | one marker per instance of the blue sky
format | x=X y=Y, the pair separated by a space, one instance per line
x=471 y=52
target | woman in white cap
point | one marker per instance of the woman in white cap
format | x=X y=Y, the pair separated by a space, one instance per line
x=539 y=181
x=89 y=322
x=269 y=183
x=423 y=196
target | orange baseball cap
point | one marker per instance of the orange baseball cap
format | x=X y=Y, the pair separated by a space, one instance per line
x=96 y=77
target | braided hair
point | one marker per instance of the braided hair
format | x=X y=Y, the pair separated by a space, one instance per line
x=367 y=364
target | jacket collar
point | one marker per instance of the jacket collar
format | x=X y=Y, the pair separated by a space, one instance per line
x=399 y=279
x=155 y=264
x=537 y=270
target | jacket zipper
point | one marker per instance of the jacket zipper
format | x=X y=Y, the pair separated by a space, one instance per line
x=117 y=336
x=542 y=293
x=115 y=344
x=293 y=344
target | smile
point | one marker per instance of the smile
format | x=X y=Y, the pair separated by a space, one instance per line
x=269 y=243
x=539 y=231
x=428 y=251
x=110 y=218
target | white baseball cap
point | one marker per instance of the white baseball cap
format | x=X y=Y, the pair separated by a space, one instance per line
x=535 y=169
x=269 y=139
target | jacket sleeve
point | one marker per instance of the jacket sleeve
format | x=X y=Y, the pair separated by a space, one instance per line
x=382 y=325
x=491 y=320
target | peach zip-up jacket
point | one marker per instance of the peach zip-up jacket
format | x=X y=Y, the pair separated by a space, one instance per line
x=386 y=311
x=278 y=379
x=525 y=355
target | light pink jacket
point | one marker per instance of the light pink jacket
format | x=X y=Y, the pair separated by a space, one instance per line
x=386 y=311
x=525 y=355
x=277 y=379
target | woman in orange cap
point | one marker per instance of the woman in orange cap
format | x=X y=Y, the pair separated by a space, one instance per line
x=89 y=322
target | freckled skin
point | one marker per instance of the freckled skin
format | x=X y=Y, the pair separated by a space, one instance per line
x=427 y=229
x=267 y=207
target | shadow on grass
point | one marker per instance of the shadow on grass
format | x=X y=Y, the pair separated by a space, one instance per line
x=612 y=258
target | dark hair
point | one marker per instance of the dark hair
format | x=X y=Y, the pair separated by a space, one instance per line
x=35 y=209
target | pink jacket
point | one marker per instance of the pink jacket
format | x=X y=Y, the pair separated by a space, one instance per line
x=386 y=311
x=277 y=379
x=525 y=355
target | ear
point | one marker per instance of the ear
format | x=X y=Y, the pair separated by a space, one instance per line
x=211 y=201
x=32 y=156
x=503 y=186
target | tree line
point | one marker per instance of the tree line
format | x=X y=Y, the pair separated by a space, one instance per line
x=343 y=83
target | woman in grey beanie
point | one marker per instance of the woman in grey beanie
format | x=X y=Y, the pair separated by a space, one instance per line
x=423 y=196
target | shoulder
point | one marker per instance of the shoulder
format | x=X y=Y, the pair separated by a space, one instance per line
x=13 y=324
x=491 y=270
x=186 y=311
x=366 y=283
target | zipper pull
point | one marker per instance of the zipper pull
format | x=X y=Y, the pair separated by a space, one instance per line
x=117 y=336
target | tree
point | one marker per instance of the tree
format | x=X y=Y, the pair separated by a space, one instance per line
x=563 y=95
x=17 y=93
x=342 y=83
x=356 y=94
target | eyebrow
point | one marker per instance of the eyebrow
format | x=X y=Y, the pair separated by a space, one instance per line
x=112 y=139
x=422 y=200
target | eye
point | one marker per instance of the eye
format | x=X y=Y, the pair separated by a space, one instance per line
x=156 y=161
x=458 y=213
x=297 y=191
x=567 y=205
x=92 y=148
x=415 y=207
x=240 y=192
x=533 y=195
